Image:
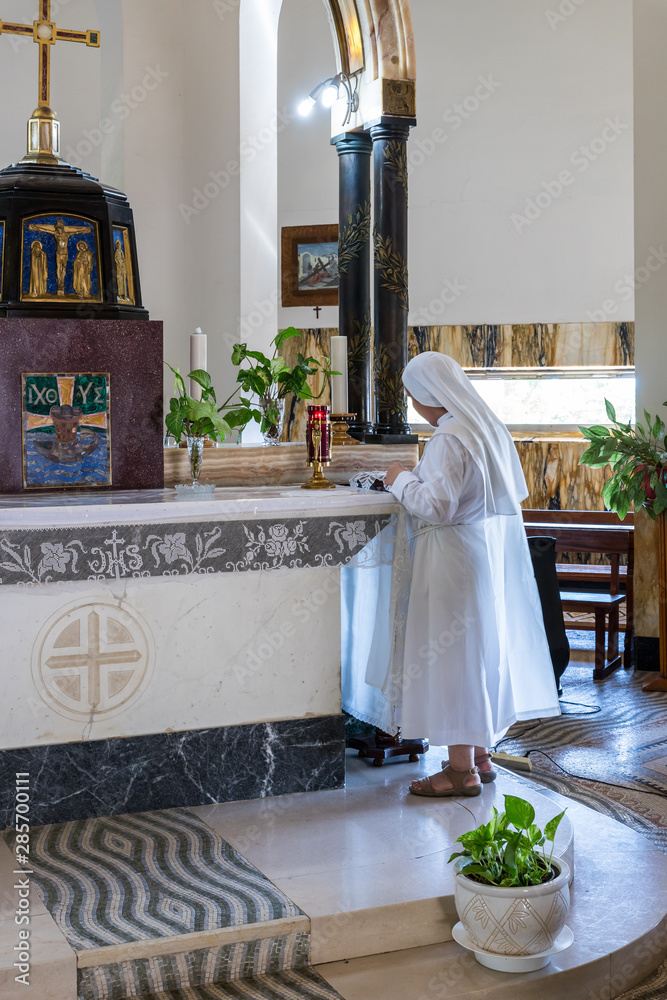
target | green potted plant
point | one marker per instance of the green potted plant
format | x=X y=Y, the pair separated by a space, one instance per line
x=198 y=419
x=637 y=456
x=512 y=895
x=272 y=379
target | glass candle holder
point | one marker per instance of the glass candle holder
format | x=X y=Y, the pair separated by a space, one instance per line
x=318 y=435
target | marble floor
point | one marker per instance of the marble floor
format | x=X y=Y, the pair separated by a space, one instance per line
x=347 y=895
x=609 y=751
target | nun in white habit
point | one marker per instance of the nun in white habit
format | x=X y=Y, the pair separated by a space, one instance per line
x=475 y=644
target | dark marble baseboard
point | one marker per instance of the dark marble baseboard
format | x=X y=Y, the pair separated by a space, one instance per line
x=647 y=652
x=143 y=773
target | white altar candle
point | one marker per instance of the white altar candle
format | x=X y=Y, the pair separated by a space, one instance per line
x=339 y=382
x=198 y=359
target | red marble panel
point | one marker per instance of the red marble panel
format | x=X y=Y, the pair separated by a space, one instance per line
x=130 y=350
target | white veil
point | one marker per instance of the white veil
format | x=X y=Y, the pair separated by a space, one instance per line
x=435 y=379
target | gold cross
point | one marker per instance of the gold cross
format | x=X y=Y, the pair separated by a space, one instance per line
x=93 y=659
x=45 y=34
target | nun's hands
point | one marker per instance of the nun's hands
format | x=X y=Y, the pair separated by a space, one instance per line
x=393 y=472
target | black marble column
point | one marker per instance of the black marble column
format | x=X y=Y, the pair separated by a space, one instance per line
x=354 y=267
x=390 y=137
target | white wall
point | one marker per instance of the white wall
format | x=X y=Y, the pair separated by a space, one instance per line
x=650 y=254
x=552 y=82
x=307 y=163
x=651 y=202
x=550 y=87
x=185 y=131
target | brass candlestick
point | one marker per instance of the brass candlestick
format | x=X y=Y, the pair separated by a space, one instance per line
x=340 y=424
x=318 y=481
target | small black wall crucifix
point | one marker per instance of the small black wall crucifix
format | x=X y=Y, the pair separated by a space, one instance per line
x=318 y=310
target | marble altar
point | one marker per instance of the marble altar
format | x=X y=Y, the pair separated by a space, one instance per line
x=283 y=465
x=161 y=653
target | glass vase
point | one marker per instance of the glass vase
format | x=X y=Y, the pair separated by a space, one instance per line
x=274 y=434
x=195 y=490
x=196 y=456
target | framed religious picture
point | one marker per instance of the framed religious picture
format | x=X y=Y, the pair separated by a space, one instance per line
x=66 y=430
x=310 y=266
x=60 y=259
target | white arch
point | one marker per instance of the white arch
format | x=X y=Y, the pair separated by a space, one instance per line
x=389 y=51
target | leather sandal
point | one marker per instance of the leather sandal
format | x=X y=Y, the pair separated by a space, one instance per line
x=486 y=777
x=457 y=779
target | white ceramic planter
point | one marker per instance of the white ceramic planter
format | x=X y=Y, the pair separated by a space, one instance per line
x=513 y=921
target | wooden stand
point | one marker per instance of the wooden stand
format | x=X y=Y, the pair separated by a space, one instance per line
x=660 y=683
x=340 y=423
x=379 y=746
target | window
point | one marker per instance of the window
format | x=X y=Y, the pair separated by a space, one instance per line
x=552 y=398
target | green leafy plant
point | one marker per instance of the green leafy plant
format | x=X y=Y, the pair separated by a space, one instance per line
x=509 y=849
x=272 y=379
x=637 y=456
x=201 y=417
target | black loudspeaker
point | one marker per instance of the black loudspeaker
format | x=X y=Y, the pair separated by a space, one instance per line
x=543 y=554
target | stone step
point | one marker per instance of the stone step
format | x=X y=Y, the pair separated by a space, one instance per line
x=295 y=984
x=239 y=899
x=157 y=901
x=369 y=867
x=368 y=864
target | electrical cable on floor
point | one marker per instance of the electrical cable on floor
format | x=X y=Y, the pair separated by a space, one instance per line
x=592 y=709
x=518 y=736
x=599 y=781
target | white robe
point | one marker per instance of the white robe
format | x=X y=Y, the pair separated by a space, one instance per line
x=475 y=658
x=476 y=654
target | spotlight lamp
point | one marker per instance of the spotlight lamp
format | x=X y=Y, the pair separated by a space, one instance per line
x=329 y=96
x=307 y=106
x=329 y=91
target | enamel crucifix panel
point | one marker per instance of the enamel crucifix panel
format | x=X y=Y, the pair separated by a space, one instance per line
x=60 y=259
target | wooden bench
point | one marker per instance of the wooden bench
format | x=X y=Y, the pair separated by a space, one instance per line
x=594 y=532
x=607 y=659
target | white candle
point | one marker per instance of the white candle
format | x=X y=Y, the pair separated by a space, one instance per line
x=198 y=359
x=339 y=382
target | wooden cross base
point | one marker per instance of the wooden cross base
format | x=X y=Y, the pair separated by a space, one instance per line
x=660 y=683
x=657 y=684
x=379 y=746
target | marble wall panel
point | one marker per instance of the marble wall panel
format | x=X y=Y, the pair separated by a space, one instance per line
x=483 y=346
x=555 y=479
x=647 y=576
x=534 y=345
x=177 y=653
x=163 y=771
x=315 y=344
x=256 y=465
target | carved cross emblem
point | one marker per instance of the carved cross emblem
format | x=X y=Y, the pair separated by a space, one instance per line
x=93 y=660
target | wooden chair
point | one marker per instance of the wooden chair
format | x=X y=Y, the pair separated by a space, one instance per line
x=607 y=658
x=603 y=533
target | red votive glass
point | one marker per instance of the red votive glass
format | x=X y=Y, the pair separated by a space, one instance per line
x=318 y=416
